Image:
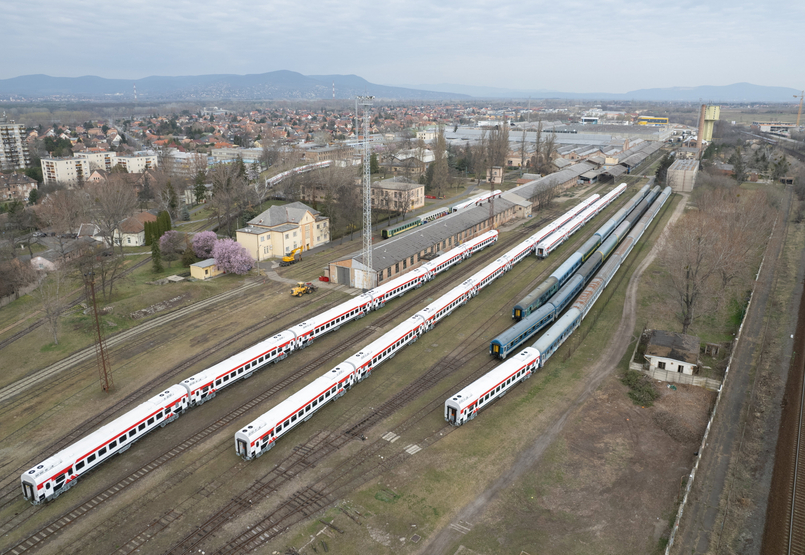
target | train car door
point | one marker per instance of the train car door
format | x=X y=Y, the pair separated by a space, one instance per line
x=451 y=415
x=242 y=448
x=28 y=491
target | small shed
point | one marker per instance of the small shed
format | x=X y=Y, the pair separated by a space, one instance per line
x=673 y=352
x=205 y=269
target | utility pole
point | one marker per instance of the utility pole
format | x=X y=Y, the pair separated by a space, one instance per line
x=366 y=102
x=101 y=356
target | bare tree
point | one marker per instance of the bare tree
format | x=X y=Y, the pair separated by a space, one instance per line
x=441 y=173
x=50 y=293
x=498 y=145
x=546 y=195
x=691 y=257
x=114 y=201
x=63 y=211
x=230 y=195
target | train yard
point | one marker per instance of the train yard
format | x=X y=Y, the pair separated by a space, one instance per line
x=185 y=481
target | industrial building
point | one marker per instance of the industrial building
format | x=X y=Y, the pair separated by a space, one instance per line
x=682 y=175
x=404 y=252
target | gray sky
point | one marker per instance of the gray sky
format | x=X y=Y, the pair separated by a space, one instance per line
x=563 y=45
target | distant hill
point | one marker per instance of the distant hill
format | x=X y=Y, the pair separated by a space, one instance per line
x=275 y=85
x=738 y=92
x=279 y=85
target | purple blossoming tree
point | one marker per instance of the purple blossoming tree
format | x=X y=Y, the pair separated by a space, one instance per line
x=231 y=257
x=203 y=243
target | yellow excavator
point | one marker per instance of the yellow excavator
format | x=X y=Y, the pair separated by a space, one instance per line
x=302 y=288
x=290 y=258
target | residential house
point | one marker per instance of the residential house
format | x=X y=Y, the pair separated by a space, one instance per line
x=673 y=352
x=15 y=186
x=131 y=231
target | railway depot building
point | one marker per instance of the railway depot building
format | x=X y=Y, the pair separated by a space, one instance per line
x=402 y=253
x=281 y=229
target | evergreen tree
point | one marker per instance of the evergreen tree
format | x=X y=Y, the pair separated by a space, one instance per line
x=374 y=165
x=156 y=255
x=185 y=213
x=188 y=257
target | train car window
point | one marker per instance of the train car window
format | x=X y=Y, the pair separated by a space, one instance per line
x=123 y=439
x=113 y=444
x=226 y=378
x=79 y=466
x=327 y=394
x=218 y=382
x=315 y=403
x=300 y=413
x=293 y=418
x=321 y=398
x=150 y=420
x=333 y=389
x=287 y=422
x=91 y=458
x=307 y=408
x=261 y=359
x=101 y=451
x=60 y=479
x=159 y=415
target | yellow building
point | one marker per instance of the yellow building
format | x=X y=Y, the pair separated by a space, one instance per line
x=205 y=269
x=281 y=229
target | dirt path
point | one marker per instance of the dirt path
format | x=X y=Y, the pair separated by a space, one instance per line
x=603 y=367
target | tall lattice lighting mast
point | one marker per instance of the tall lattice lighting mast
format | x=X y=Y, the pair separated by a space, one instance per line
x=366 y=102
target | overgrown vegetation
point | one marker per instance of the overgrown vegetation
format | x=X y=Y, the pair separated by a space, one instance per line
x=641 y=388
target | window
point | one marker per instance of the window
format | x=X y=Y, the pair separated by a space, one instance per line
x=113 y=444
x=293 y=418
x=226 y=378
x=141 y=427
x=150 y=420
x=79 y=466
x=661 y=365
x=102 y=451
x=159 y=415
x=262 y=238
x=681 y=368
x=91 y=458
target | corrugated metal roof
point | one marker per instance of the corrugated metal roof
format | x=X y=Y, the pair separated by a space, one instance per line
x=394 y=250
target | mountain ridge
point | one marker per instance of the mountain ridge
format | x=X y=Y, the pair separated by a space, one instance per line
x=291 y=85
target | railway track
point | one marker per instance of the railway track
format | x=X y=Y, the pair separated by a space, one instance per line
x=86 y=354
x=414 y=299
x=9 y=492
x=359 y=467
x=55 y=526
x=22 y=333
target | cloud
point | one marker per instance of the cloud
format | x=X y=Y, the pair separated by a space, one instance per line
x=577 y=45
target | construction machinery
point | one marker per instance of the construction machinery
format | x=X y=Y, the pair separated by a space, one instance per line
x=302 y=288
x=290 y=258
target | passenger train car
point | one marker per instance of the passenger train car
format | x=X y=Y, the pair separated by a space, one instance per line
x=551 y=285
x=58 y=473
x=511 y=339
x=464 y=405
x=552 y=242
x=427 y=217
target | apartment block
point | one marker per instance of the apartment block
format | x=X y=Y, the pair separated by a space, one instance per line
x=13 y=147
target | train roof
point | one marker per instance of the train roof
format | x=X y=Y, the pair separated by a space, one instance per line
x=89 y=443
x=489 y=380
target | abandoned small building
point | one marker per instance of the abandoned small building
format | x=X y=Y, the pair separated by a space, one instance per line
x=673 y=352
